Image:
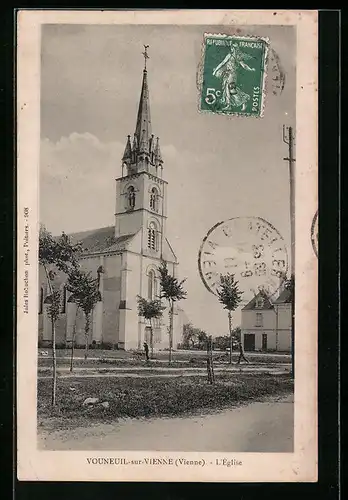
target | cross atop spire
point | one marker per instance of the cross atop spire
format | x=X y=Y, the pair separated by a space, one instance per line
x=145 y=54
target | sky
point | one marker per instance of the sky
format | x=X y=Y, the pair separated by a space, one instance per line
x=217 y=167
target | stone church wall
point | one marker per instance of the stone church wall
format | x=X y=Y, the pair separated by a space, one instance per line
x=111 y=293
x=129 y=328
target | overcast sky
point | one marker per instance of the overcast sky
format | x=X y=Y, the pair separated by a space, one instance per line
x=217 y=167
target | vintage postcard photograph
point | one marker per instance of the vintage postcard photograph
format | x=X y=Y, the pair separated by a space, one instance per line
x=167 y=246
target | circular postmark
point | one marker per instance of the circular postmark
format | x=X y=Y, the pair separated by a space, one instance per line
x=248 y=247
x=314 y=233
x=276 y=73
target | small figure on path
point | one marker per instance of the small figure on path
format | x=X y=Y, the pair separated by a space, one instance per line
x=146 y=349
x=241 y=354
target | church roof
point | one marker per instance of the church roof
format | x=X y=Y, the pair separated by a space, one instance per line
x=101 y=240
x=267 y=304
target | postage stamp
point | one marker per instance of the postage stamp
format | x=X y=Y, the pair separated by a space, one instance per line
x=234 y=75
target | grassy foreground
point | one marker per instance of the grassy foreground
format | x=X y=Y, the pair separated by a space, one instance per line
x=146 y=397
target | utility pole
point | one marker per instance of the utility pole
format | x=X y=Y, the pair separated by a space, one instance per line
x=288 y=139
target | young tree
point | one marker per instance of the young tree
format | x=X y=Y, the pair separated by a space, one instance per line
x=202 y=339
x=150 y=309
x=210 y=365
x=53 y=314
x=187 y=336
x=55 y=254
x=73 y=339
x=85 y=292
x=172 y=290
x=230 y=297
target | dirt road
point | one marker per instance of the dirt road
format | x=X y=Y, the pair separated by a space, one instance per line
x=257 y=427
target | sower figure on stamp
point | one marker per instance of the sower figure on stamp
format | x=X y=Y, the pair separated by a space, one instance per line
x=146 y=349
x=241 y=353
x=233 y=96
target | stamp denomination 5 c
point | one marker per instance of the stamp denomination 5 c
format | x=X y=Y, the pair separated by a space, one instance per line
x=233 y=76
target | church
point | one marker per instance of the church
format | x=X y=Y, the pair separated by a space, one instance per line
x=124 y=257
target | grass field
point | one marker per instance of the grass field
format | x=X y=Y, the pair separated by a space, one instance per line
x=146 y=397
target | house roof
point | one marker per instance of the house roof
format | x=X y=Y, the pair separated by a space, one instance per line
x=267 y=304
x=284 y=297
x=100 y=240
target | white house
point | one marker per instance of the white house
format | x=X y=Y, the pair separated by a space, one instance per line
x=266 y=325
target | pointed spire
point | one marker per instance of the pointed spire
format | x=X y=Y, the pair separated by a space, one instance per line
x=158 y=154
x=142 y=152
x=152 y=144
x=127 y=155
x=143 y=128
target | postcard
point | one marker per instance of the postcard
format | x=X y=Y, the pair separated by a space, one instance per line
x=167 y=245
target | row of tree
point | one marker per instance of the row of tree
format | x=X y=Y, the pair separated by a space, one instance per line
x=60 y=255
x=195 y=338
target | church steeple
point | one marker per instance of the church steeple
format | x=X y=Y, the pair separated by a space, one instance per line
x=141 y=191
x=143 y=128
x=143 y=153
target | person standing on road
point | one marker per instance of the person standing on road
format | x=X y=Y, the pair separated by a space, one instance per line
x=241 y=354
x=146 y=349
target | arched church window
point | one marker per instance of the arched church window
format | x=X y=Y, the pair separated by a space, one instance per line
x=131 y=197
x=154 y=199
x=151 y=286
x=151 y=236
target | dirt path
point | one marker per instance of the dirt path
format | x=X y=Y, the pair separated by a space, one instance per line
x=258 y=427
x=157 y=372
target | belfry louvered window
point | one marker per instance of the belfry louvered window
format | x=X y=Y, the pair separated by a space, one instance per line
x=151 y=236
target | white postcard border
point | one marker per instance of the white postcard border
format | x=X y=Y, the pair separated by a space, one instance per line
x=34 y=464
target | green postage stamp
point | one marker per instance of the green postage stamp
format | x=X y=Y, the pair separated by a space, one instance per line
x=233 y=75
